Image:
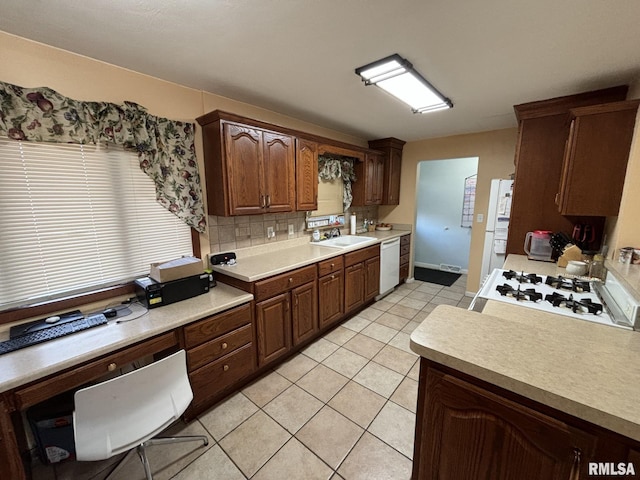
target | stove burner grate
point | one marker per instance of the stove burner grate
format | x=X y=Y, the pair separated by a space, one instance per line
x=522 y=277
x=576 y=306
x=528 y=294
x=564 y=283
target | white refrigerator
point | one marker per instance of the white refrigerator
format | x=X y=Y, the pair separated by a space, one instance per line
x=497 y=226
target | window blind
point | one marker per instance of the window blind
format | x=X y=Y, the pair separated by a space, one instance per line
x=77 y=217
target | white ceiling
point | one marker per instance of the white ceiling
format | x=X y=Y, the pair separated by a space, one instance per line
x=298 y=57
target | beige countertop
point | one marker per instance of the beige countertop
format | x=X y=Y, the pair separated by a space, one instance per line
x=256 y=263
x=582 y=368
x=37 y=361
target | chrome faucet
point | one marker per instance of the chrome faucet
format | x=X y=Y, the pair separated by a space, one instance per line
x=335 y=232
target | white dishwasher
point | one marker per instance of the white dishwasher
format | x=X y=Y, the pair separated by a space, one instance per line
x=389 y=265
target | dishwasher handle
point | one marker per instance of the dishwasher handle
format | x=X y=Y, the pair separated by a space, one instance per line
x=389 y=243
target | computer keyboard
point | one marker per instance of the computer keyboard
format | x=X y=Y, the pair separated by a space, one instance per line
x=52 y=332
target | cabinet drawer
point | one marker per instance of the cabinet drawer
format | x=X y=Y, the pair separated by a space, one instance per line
x=405 y=249
x=84 y=373
x=404 y=272
x=332 y=265
x=284 y=282
x=224 y=372
x=404 y=259
x=361 y=255
x=405 y=240
x=214 y=349
x=217 y=325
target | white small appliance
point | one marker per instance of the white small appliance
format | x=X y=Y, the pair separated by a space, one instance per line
x=497 y=226
x=537 y=245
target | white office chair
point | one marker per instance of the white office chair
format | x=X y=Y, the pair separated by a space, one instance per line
x=125 y=412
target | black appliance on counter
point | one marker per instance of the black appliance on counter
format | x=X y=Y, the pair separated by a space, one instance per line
x=154 y=294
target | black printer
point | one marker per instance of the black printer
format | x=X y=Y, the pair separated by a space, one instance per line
x=154 y=294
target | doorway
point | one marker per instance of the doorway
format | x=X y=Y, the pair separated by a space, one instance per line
x=444 y=203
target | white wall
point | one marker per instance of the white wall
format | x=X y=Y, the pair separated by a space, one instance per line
x=440 y=190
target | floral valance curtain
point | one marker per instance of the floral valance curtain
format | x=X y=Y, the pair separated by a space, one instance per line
x=330 y=168
x=165 y=147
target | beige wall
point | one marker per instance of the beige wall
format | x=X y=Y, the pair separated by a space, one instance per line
x=31 y=64
x=496 y=152
x=624 y=231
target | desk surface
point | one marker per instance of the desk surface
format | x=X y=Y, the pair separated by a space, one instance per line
x=37 y=361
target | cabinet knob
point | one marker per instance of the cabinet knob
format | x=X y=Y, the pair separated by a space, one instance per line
x=224 y=346
x=290 y=280
x=225 y=368
x=333 y=265
x=112 y=366
x=333 y=277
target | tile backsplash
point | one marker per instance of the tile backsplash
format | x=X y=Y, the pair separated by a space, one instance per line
x=228 y=233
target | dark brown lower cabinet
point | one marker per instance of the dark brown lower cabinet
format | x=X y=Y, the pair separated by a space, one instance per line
x=405 y=249
x=273 y=327
x=330 y=298
x=10 y=460
x=361 y=277
x=304 y=314
x=220 y=354
x=353 y=287
x=467 y=432
x=371 y=278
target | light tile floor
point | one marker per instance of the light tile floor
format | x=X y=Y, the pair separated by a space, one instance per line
x=342 y=408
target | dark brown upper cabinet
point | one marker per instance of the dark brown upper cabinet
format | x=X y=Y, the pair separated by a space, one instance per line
x=391 y=149
x=595 y=159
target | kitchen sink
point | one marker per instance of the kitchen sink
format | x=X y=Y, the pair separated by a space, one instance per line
x=347 y=241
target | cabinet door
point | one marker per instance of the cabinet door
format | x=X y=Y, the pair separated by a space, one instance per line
x=378 y=186
x=10 y=462
x=273 y=322
x=374 y=176
x=306 y=175
x=304 y=316
x=279 y=172
x=500 y=438
x=353 y=287
x=372 y=278
x=595 y=161
x=243 y=147
x=391 y=149
x=393 y=168
x=331 y=298
x=367 y=189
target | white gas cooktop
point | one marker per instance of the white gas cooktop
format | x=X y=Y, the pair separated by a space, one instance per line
x=569 y=296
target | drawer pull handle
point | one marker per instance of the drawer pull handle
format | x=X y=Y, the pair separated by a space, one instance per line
x=577 y=460
x=333 y=277
x=333 y=265
x=224 y=346
x=112 y=366
x=290 y=280
x=225 y=368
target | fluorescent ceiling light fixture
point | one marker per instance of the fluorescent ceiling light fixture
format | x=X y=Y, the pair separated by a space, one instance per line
x=396 y=76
